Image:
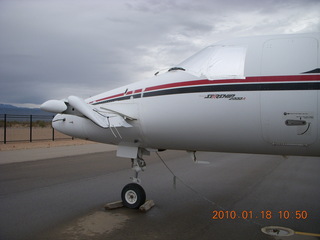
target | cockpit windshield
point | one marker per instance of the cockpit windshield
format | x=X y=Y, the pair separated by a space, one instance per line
x=217 y=62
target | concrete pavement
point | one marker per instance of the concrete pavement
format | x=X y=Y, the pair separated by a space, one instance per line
x=63 y=197
x=25 y=155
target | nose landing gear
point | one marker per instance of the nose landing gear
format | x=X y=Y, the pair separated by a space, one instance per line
x=133 y=195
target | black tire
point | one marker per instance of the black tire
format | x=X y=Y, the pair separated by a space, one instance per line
x=133 y=195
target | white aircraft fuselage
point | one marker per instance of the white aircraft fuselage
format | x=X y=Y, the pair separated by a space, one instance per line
x=244 y=95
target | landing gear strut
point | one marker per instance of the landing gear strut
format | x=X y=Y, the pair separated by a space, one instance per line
x=133 y=195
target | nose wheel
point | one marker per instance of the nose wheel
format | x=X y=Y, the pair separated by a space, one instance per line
x=133 y=195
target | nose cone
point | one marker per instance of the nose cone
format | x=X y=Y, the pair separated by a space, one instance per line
x=54 y=106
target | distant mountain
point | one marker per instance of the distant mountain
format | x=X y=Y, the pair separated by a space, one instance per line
x=5 y=106
x=9 y=109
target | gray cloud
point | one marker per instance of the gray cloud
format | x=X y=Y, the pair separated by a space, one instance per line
x=52 y=49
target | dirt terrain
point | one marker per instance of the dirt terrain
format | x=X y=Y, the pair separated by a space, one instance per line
x=18 y=137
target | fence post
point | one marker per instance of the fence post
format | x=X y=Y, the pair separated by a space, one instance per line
x=5 y=129
x=52 y=133
x=30 y=128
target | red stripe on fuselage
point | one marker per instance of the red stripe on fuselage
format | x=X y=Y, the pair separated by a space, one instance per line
x=113 y=96
x=138 y=90
x=258 y=79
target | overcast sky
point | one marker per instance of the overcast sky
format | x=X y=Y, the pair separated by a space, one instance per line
x=50 y=49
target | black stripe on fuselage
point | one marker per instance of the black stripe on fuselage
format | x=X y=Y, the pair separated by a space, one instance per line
x=236 y=88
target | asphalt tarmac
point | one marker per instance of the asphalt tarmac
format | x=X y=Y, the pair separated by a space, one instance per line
x=231 y=197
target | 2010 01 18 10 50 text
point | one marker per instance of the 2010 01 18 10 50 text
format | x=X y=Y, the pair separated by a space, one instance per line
x=265 y=214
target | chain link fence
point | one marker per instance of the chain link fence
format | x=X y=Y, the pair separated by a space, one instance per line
x=28 y=128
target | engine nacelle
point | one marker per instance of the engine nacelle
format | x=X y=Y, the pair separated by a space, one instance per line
x=84 y=128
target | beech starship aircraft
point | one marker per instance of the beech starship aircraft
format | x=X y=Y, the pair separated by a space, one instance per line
x=244 y=95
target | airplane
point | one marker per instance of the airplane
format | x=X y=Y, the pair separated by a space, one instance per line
x=255 y=95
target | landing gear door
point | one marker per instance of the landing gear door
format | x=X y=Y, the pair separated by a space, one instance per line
x=289 y=117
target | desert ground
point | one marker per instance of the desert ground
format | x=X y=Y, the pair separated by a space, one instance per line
x=19 y=138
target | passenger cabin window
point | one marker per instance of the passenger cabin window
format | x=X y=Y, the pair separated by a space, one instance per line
x=217 y=62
